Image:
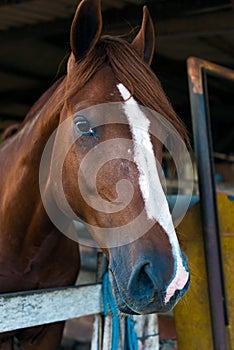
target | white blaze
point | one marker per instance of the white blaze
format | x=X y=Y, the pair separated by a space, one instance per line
x=156 y=205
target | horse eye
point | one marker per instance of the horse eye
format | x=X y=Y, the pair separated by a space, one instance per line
x=82 y=125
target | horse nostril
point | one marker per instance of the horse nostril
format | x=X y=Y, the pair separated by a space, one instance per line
x=142 y=282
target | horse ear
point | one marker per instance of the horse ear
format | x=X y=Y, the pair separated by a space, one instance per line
x=144 y=42
x=86 y=27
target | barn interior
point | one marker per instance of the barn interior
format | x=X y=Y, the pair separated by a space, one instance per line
x=34 y=46
x=34 y=39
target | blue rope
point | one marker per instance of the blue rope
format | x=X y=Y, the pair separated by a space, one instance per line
x=130 y=340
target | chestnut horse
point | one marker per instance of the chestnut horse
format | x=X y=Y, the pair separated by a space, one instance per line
x=148 y=274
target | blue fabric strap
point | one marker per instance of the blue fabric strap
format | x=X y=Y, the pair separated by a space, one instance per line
x=130 y=339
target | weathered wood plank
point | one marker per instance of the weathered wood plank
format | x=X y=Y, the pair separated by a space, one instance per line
x=27 y=309
x=147 y=331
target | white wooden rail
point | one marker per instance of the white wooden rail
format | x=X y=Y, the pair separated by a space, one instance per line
x=27 y=309
x=33 y=308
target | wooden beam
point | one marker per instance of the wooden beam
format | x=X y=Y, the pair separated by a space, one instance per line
x=219 y=43
x=7 y=2
x=23 y=72
x=189 y=26
x=115 y=22
x=204 y=24
x=42 y=29
x=28 y=309
x=26 y=95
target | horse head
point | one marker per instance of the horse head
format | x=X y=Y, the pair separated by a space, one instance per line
x=111 y=177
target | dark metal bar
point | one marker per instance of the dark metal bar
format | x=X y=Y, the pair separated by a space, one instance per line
x=203 y=150
x=216 y=222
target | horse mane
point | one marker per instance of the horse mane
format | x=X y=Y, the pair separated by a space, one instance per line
x=43 y=100
x=131 y=71
x=56 y=89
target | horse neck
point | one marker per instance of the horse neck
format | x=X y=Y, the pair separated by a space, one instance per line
x=27 y=145
x=21 y=208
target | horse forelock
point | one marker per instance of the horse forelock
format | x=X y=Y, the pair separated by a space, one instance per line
x=130 y=70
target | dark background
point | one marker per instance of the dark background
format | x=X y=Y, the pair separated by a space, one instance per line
x=34 y=43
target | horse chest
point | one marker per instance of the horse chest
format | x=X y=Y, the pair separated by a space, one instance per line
x=51 y=266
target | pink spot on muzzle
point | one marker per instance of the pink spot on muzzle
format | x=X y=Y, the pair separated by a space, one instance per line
x=178 y=282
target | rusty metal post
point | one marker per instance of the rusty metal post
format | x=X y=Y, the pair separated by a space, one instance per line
x=203 y=149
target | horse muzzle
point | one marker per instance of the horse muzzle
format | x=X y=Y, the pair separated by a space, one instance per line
x=144 y=291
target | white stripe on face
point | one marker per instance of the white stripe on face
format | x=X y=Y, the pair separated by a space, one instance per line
x=156 y=205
